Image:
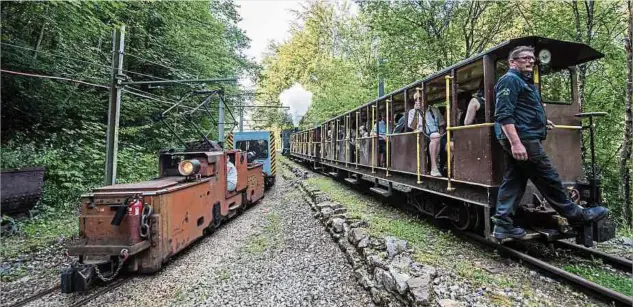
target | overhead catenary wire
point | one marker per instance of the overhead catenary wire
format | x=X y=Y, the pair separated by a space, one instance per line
x=156 y=63
x=53 y=78
x=93 y=63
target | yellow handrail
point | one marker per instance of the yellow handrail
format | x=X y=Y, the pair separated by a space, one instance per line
x=417 y=139
x=470 y=126
x=346 y=139
x=373 y=140
x=356 y=140
x=568 y=127
x=386 y=137
x=448 y=130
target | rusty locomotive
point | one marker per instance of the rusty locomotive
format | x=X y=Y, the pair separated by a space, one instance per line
x=137 y=227
x=465 y=193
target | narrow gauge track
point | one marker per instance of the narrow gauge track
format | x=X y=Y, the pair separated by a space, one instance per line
x=103 y=290
x=36 y=296
x=617 y=297
x=615 y=261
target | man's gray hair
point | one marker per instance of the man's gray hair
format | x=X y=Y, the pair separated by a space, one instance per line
x=515 y=52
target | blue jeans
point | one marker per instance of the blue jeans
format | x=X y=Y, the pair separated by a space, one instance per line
x=539 y=169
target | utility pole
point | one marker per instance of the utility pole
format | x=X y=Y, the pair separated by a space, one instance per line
x=242 y=119
x=114 y=108
x=221 y=120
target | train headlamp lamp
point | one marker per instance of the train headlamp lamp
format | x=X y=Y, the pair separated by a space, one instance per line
x=544 y=56
x=189 y=167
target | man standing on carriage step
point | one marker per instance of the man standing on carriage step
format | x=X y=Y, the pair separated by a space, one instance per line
x=521 y=126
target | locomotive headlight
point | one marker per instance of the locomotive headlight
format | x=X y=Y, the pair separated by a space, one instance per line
x=189 y=167
x=544 y=56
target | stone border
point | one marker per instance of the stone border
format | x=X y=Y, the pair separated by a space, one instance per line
x=383 y=266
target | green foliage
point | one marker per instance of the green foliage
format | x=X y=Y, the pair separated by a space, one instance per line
x=617 y=282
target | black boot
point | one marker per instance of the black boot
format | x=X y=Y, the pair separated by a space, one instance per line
x=508 y=231
x=577 y=214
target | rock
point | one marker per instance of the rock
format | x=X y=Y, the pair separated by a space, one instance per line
x=420 y=290
x=337 y=225
x=401 y=263
x=339 y=211
x=376 y=296
x=325 y=204
x=400 y=280
x=364 y=242
x=394 y=246
x=450 y=303
x=385 y=279
x=326 y=212
x=363 y=278
x=356 y=235
x=627 y=241
x=359 y=224
x=377 y=262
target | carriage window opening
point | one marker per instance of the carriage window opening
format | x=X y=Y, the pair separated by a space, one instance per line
x=258 y=147
x=556 y=87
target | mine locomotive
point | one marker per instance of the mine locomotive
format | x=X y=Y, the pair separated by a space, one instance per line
x=137 y=227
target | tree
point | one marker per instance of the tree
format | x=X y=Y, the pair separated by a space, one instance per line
x=627 y=143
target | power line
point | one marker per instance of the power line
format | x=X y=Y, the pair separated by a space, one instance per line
x=156 y=63
x=53 y=77
x=57 y=55
x=91 y=63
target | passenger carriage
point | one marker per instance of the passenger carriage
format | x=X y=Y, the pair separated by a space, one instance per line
x=466 y=193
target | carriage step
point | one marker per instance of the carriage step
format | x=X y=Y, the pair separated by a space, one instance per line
x=333 y=174
x=352 y=180
x=383 y=192
x=317 y=168
x=234 y=207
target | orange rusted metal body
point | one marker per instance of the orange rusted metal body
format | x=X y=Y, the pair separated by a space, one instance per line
x=183 y=209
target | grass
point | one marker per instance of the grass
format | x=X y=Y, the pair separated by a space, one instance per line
x=34 y=235
x=614 y=281
x=269 y=236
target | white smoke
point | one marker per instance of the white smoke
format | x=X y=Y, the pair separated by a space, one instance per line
x=298 y=99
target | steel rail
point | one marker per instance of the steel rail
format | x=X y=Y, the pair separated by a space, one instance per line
x=101 y=291
x=615 y=261
x=36 y=296
x=615 y=296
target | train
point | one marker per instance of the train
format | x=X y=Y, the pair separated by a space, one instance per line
x=465 y=190
x=138 y=227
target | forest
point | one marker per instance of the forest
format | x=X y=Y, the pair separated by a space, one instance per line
x=340 y=53
x=337 y=50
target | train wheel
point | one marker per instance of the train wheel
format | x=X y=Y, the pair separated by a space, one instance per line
x=467 y=217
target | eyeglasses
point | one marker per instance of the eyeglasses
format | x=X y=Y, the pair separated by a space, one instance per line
x=526 y=58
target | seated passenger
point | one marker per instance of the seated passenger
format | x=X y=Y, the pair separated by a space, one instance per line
x=399 y=128
x=231 y=175
x=475 y=112
x=362 y=132
x=435 y=127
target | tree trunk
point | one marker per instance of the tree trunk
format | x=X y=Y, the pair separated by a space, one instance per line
x=627 y=146
x=41 y=36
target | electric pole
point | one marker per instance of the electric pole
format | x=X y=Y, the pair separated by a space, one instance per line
x=114 y=108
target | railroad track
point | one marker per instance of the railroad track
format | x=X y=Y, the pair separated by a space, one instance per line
x=573 y=278
x=81 y=302
x=616 y=262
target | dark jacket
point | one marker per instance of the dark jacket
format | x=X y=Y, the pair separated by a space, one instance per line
x=518 y=102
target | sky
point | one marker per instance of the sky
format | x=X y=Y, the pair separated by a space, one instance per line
x=265 y=21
